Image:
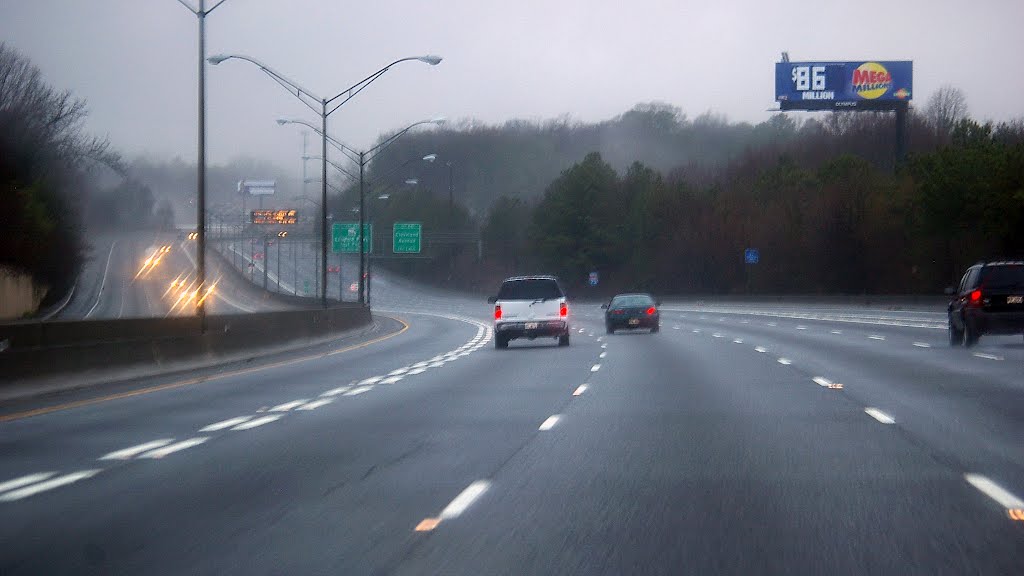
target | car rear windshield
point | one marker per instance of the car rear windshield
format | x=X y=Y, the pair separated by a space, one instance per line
x=632 y=300
x=529 y=289
x=1003 y=276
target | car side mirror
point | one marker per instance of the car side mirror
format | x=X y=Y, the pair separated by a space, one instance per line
x=604 y=306
x=492 y=299
x=950 y=291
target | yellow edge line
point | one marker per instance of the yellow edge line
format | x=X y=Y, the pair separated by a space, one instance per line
x=190 y=381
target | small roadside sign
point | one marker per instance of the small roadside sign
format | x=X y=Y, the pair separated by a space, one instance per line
x=593 y=278
x=751 y=256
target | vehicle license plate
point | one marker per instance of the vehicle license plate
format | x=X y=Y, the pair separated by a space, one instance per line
x=1015 y=299
x=633 y=321
x=531 y=326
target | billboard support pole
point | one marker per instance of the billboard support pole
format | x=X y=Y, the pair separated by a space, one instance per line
x=901 y=135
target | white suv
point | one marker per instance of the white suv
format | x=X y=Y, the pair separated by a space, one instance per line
x=528 y=307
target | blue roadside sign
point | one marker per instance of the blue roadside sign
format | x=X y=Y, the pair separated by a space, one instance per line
x=751 y=256
x=593 y=279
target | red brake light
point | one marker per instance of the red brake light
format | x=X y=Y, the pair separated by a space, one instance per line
x=976 y=296
x=497 y=311
x=651 y=311
x=617 y=311
x=563 y=310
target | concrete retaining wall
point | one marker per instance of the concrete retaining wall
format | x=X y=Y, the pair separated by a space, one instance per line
x=39 y=349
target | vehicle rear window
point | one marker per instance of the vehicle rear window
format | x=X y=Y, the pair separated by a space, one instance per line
x=529 y=289
x=1009 y=276
x=637 y=300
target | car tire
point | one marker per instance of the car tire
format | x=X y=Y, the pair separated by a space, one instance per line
x=563 y=340
x=609 y=329
x=970 y=335
x=500 y=343
x=956 y=337
x=656 y=329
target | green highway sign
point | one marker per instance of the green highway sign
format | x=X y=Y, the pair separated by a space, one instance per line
x=345 y=237
x=407 y=237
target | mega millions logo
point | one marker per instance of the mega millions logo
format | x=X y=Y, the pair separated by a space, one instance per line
x=871 y=80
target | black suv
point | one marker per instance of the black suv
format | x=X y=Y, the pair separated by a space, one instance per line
x=989 y=300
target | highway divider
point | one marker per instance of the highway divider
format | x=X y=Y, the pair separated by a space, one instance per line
x=31 y=350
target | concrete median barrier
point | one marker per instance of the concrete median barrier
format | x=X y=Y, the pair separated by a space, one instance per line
x=30 y=350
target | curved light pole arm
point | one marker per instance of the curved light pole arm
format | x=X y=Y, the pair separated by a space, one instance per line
x=376 y=150
x=352 y=154
x=288 y=84
x=358 y=87
x=378 y=179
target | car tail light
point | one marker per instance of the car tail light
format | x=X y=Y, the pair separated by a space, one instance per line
x=651 y=311
x=617 y=311
x=497 y=311
x=975 y=297
x=563 y=310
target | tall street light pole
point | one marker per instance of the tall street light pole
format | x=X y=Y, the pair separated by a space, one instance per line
x=312 y=101
x=201 y=14
x=362 y=158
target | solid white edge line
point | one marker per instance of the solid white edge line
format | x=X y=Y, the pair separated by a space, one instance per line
x=178 y=446
x=258 y=422
x=103 y=282
x=127 y=453
x=24 y=480
x=336 y=391
x=994 y=491
x=391 y=380
x=464 y=500
x=549 y=423
x=879 y=415
x=372 y=380
x=358 y=391
x=579 y=391
x=225 y=424
x=47 y=485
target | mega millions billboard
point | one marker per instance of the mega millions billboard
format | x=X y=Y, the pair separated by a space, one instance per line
x=872 y=85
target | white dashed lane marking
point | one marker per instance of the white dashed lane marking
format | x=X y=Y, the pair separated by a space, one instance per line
x=315 y=404
x=289 y=405
x=876 y=337
x=579 y=391
x=738 y=341
x=760 y=349
x=994 y=491
x=922 y=345
x=465 y=499
x=879 y=415
x=550 y=423
x=24 y=481
x=784 y=361
x=837 y=331
x=224 y=424
x=801 y=327
x=986 y=356
x=262 y=420
x=57 y=482
x=183 y=445
x=602 y=355
x=128 y=453
x=595 y=367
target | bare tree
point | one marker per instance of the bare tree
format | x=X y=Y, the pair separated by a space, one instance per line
x=946 y=107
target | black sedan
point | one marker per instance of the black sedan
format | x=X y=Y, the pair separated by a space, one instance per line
x=631 y=311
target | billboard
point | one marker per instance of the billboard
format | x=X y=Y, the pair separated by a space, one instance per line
x=870 y=85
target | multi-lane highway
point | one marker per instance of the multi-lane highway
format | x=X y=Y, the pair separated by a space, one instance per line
x=134 y=276
x=742 y=439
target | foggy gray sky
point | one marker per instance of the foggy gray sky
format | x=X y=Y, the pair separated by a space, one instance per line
x=135 y=60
